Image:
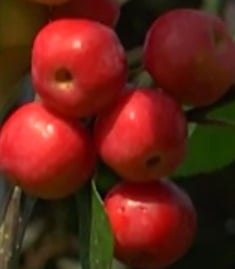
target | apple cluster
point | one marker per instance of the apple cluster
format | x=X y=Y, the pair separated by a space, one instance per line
x=87 y=112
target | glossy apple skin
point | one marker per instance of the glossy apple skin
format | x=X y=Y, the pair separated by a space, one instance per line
x=103 y=11
x=153 y=224
x=191 y=55
x=48 y=156
x=143 y=136
x=78 y=66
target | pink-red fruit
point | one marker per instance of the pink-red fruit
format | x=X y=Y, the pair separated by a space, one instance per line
x=191 y=55
x=104 y=11
x=46 y=155
x=153 y=224
x=78 y=66
x=143 y=136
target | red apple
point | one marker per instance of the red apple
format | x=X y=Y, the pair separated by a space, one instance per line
x=153 y=224
x=143 y=136
x=104 y=11
x=191 y=55
x=78 y=66
x=46 y=155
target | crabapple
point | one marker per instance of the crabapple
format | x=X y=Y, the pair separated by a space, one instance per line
x=47 y=155
x=78 y=66
x=190 y=54
x=153 y=224
x=143 y=135
x=104 y=11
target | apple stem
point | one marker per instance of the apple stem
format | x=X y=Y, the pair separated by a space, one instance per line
x=214 y=122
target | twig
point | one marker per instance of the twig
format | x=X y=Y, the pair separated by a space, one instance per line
x=198 y=113
x=215 y=122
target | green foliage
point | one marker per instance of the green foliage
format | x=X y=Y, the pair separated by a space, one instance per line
x=211 y=142
x=213 y=5
x=95 y=236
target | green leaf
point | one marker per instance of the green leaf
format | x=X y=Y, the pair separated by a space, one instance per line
x=210 y=148
x=211 y=144
x=214 y=6
x=14 y=222
x=225 y=112
x=106 y=179
x=143 y=79
x=95 y=235
x=191 y=128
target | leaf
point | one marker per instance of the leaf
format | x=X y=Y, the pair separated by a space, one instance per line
x=106 y=179
x=5 y=194
x=225 y=112
x=223 y=115
x=214 y=6
x=27 y=206
x=222 y=111
x=13 y=225
x=191 y=128
x=211 y=141
x=143 y=79
x=95 y=235
x=210 y=148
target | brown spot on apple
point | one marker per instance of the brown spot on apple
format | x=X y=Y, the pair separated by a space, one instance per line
x=64 y=78
x=153 y=161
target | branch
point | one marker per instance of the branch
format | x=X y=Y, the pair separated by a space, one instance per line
x=199 y=114
x=215 y=122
